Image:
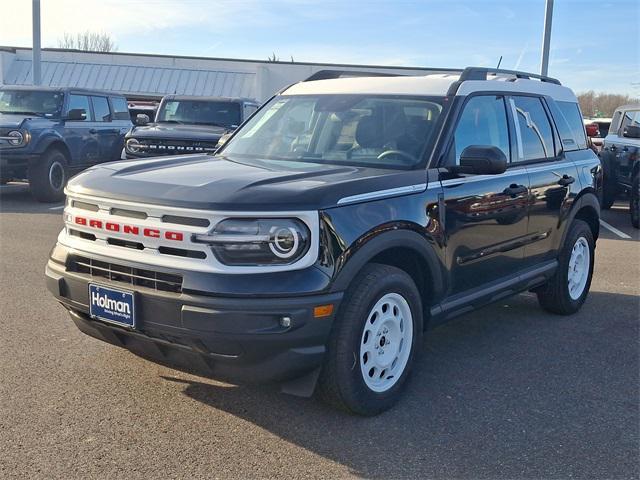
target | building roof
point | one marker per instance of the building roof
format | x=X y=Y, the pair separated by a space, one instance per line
x=132 y=79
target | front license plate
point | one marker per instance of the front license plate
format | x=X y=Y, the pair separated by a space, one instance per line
x=110 y=305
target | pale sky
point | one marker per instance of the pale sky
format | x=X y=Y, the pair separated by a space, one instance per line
x=595 y=45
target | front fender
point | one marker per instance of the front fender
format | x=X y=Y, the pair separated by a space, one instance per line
x=43 y=140
x=374 y=243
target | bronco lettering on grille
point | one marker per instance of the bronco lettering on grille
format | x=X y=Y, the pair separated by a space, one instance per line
x=129 y=229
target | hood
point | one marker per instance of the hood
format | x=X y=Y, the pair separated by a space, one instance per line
x=11 y=120
x=19 y=120
x=219 y=183
x=176 y=131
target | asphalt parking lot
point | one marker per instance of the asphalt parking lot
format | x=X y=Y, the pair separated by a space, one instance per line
x=506 y=392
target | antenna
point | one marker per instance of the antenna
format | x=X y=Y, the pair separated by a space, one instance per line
x=499 y=62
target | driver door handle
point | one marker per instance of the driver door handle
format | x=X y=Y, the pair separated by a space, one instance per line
x=566 y=180
x=93 y=130
x=514 y=190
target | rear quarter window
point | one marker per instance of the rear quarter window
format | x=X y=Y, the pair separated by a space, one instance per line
x=120 y=108
x=568 y=120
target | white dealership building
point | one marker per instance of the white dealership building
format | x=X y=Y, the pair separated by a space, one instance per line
x=144 y=76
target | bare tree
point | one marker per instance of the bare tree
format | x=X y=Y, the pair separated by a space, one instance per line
x=88 y=41
x=602 y=104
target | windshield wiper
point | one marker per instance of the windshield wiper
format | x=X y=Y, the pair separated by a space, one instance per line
x=170 y=121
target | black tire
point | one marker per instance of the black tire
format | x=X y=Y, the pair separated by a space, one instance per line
x=48 y=176
x=634 y=201
x=555 y=296
x=341 y=381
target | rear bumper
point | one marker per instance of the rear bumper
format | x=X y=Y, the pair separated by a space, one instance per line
x=240 y=340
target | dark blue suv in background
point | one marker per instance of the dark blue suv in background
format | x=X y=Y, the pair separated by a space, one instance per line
x=47 y=134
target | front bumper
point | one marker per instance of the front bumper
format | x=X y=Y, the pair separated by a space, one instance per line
x=236 y=339
x=14 y=160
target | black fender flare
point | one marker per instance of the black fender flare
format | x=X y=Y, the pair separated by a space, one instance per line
x=587 y=199
x=404 y=238
x=45 y=141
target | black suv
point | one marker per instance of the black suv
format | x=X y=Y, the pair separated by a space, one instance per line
x=337 y=224
x=47 y=134
x=621 y=159
x=186 y=124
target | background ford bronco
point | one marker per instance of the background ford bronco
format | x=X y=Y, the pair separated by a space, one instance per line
x=186 y=124
x=47 y=134
x=336 y=225
x=621 y=159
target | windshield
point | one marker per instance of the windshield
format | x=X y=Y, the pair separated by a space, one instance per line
x=199 y=112
x=377 y=131
x=31 y=102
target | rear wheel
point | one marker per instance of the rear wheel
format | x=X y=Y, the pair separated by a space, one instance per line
x=634 y=201
x=373 y=342
x=48 y=176
x=567 y=290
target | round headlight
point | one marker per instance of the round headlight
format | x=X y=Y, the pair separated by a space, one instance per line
x=255 y=242
x=132 y=145
x=284 y=242
x=17 y=139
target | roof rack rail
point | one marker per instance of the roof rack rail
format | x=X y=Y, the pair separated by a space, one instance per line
x=481 y=73
x=329 y=74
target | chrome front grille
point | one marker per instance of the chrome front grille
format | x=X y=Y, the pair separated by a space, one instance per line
x=160 y=236
x=134 y=277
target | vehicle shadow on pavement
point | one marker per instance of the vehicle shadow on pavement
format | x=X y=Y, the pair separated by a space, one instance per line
x=16 y=198
x=509 y=391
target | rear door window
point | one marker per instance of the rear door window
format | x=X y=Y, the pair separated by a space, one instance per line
x=80 y=102
x=101 y=109
x=533 y=129
x=482 y=122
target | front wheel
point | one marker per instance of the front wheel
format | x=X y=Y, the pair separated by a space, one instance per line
x=567 y=290
x=634 y=201
x=373 y=342
x=48 y=176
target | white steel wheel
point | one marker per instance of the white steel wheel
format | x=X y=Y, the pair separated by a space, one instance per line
x=579 y=266
x=386 y=342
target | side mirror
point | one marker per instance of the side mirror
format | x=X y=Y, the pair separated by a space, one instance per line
x=482 y=160
x=76 y=114
x=631 y=132
x=223 y=139
x=593 y=130
x=142 y=119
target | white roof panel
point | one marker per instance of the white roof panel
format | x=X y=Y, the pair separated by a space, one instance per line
x=429 y=85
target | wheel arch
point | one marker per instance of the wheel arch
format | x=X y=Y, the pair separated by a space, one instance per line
x=405 y=249
x=586 y=208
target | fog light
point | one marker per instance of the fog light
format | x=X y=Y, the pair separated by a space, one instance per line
x=285 y=322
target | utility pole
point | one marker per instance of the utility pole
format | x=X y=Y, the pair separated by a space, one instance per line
x=546 y=39
x=37 y=75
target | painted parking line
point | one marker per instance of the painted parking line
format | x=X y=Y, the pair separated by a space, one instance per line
x=613 y=229
x=59 y=207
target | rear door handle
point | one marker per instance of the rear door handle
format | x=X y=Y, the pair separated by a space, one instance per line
x=566 y=180
x=514 y=190
x=93 y=130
